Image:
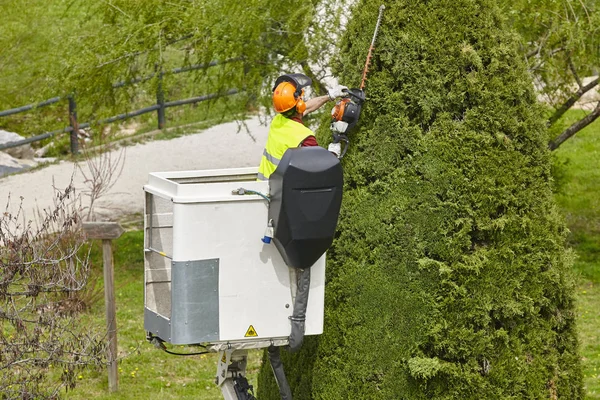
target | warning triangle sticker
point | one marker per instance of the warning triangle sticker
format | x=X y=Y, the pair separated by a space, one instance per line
x=251 y=332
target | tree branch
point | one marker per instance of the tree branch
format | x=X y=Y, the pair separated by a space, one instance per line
x=576 y=127
x=317 y=84
x=574 y=72
x=572 y=100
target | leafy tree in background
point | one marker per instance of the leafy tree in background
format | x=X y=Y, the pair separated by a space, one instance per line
x=56 y=47
x=85 y=47
x=37 y=37
x=270 y=36
x=449 y=278
x=561 y=42
x=35 y=41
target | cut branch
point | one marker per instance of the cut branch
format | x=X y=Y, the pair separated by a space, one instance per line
x=576 y=127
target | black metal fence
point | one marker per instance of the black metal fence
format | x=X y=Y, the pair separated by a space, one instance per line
x=160 y=106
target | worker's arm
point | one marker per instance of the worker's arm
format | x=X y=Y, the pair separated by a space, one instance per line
x=315 y=103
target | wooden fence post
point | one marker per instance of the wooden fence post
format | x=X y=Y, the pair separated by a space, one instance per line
x=160 y=99
x=107 y=231
x=74 y=124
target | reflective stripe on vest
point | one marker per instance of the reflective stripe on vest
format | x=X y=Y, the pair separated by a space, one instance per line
x=261 y=177
x=283 y=134
x=270 y=158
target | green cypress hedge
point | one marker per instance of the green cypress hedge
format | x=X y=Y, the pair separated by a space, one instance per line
x=449 y=278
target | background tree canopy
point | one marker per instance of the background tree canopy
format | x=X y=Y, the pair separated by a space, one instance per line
x=83 y=46
x=62 y=46
x=449 y=278
x=561 y=42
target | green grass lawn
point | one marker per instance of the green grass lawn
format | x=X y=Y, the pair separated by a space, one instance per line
x=578 y=197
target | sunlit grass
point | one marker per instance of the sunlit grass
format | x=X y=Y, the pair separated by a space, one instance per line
x=579 y=199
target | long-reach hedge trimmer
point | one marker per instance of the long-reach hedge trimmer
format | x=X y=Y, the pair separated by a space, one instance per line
x=346 y=112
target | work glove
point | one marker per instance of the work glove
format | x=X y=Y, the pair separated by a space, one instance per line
x=335 y=148
x=338 y=91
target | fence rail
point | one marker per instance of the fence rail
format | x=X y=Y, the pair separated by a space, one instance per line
x=29 y=107
x=160 y=106
x=175 y=71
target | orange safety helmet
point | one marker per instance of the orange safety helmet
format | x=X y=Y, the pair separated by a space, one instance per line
x=288 y=92
x=285 y=97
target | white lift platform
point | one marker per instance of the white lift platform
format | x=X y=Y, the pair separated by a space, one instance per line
x=209 y=279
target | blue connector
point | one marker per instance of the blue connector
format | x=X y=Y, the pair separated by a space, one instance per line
x=268 y=233
x=266 y=240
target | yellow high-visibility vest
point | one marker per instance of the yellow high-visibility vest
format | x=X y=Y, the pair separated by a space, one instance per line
x=283 y=134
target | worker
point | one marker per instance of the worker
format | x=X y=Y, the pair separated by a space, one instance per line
x=287 y=129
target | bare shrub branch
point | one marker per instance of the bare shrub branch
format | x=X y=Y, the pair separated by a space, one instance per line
x=42 y=262
x=101 y=174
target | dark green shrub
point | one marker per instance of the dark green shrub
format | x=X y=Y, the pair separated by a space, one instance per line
x=449 y=278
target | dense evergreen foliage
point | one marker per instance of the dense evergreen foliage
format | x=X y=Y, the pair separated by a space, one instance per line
x=449 y=278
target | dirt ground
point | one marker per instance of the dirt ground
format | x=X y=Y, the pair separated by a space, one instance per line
x=228 y=145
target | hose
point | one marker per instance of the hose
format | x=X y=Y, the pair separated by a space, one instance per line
x=296 y=338
x=298 y=317
x=277 y=366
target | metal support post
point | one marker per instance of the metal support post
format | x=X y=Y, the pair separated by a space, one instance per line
x=231 y=375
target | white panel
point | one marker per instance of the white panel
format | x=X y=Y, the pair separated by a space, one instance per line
x=254 y=281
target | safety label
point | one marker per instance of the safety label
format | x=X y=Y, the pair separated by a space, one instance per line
x=251 y=332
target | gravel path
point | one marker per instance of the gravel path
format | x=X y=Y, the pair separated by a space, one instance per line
x=227 y=145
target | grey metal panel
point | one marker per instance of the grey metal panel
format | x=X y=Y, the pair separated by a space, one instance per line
x=158 y=298
x=160 y=239
x=160 y=205
x=195 y=301
x=157 y=262
x=157 y=325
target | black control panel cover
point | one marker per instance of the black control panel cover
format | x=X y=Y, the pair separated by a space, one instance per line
x=306 y=196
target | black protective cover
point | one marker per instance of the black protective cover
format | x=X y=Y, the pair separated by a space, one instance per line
x=306 y=195
x=300 y=80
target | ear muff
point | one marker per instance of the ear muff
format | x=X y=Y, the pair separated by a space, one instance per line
x=300 y=105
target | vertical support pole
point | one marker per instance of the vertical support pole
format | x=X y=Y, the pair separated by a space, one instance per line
x=231 y=375
x=74 y=124
x=160 y=98
x=107 y=231
x=111 y=314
